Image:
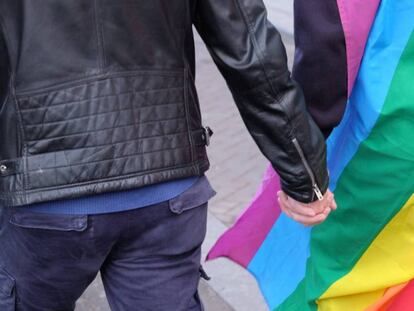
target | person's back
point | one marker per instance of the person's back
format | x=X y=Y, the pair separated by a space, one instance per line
x=97 y=98
x=100 y=98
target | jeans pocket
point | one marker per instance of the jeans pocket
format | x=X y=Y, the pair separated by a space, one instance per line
x=198 y=195
x=49 y=221
x=7 y=291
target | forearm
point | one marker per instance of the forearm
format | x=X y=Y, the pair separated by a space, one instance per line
x=250 y=54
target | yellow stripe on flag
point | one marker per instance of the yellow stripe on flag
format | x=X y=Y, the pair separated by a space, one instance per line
x=387 y=262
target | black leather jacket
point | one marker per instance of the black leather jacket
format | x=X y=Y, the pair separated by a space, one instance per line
x=99 y=95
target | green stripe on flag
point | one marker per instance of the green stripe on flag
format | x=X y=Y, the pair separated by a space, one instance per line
x=375 y=185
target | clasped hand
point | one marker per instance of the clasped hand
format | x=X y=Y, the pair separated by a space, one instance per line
x=307 y=214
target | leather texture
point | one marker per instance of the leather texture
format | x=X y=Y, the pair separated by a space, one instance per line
x=99 y=95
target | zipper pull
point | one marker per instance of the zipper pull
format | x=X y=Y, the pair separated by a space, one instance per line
x=318 y=192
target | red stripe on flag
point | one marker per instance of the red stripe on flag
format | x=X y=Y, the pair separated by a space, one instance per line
x=405 y=300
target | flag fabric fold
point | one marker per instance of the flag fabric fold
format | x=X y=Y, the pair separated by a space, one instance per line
x=362 y=257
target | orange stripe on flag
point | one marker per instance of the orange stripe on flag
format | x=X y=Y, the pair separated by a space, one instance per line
x=388 y=298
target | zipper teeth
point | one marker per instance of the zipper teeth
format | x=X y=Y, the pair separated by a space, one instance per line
x=306 y=164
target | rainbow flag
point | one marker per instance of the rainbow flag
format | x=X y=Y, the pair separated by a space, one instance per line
x=362 y=257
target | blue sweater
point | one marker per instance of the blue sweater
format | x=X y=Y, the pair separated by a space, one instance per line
x=115 y=201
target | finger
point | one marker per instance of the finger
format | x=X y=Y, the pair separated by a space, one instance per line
x=280 y=198
x=320 y=218
x=327 y=211
x=297 y=207
x=331 y=197
x=302 y=209
x=320 y=206
x=330 y=200
x=334 y=206
x=310 y=221
x=283 y=195
x=317 y=220
x=283 y=207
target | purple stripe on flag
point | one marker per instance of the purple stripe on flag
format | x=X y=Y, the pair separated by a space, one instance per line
x=357 y=17
x=243 y=240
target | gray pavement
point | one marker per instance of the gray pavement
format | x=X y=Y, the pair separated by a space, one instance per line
x=236 y=170
x=280 y=12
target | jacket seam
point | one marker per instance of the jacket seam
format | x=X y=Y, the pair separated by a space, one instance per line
x=103 y=160
x=103 y=42
x=99 y=42
x=12 y=90
x=90 y=116
x=104 y=96
x=257 y=50
x=132 y=155
x=7 y=41
x=191 y=91
x=258 y=87
x=277 y=95
x=187 y=115
x=7 y=46
x=6 y=98
x=137 y=124
x=68 y=186
x=117 y=143
x=22 y=135
x=90 y=79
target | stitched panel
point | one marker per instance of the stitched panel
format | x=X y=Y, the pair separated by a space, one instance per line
x=111 y=127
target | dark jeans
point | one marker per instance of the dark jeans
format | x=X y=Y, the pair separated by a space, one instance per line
x=149 y=258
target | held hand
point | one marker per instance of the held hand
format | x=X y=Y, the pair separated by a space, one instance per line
x=307 y=214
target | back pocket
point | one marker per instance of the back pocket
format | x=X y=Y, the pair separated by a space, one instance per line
x=7 y=291
x=198 y=195
x=54 y=222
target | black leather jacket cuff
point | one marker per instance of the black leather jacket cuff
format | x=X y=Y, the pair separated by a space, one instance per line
x=308 y=195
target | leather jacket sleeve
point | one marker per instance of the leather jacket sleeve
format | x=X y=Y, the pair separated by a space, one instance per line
x=250 y=54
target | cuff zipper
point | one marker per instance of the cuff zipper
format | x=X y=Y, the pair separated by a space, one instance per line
x=315 y=186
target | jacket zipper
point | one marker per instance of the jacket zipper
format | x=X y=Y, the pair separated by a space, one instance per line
x=315 y=186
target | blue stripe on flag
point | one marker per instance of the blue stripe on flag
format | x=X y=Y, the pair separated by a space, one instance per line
x=374 y=79
x=280 y=263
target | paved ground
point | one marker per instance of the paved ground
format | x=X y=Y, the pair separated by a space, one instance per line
x=94 y=299
x=237 y=165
